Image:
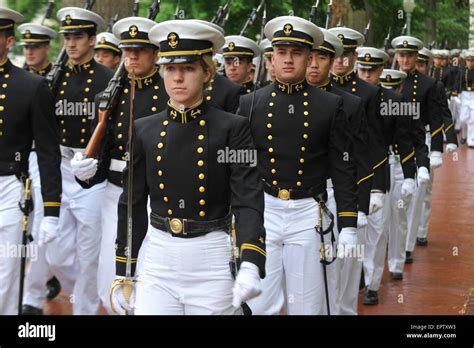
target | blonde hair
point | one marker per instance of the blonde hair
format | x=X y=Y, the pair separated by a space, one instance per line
x=208 y=65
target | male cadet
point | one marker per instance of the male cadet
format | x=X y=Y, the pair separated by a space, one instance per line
x=301 y=136
x=107 y=51
x=238 y=52
x=26 y=115
x=419 y=90
x=221 y=92
x=345 y=78
x=420 y=227
x=74 y=254
x=425 y=57
x=317 y=74
x=267 y=49
x=35 y=40
x=150 y=98
x=466 y=90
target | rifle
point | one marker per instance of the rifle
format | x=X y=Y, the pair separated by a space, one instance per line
x=55 y=73
x=394 y=62
x=252 y=18
x=26 y=209
x=366 y=32
x=113 y=20
x=386 y=41
x=312 y=14
x=176 y=13
x=432 y=44
x=136 y=8
x=108 y=100
x=222 y=14
x=329 y=15
x=404 y=30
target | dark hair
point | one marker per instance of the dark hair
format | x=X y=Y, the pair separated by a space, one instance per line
x=8 y=32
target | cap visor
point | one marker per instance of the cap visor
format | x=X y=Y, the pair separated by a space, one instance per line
x=177 y=59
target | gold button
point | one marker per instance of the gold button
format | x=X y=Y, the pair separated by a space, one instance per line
x=272 y=160
x=300 y=172
x=353 y=89
x=414 y=99
x=1 y=120
x=202 y=123
x=156 y=87
x=63 y=140
x=274 y=94
x=210 y=88
x=270 y=114
x=89 y=81
x=353 y=82
x=64 y=83
x=208 y=97
x=160 y=173
x=269 y=137
x=202 y=189
x=414 y=86
x=200 y=163
x=303 y=148
x=270 y=149
x=119 y=124
x=165 y=199
x=306 y=113
x=165 y=122
x=160 y=145
x=162 y=186
x=202 y=202
x=83 y=141
x=125 y=90
x=120 y=136
x=416 y=81
x=298 y=183
x=201 y=176
x=163 y=133
x=170 y=212
x=121 y=113
x=64 y=131
x=2 y=108
x=5 y=85
x=305 y=94
x=269 y=125
x=120 y=147
x=122 y=102
x=202 y=213
x=200 y=150
x=306 y=124
x=87 y=89
x=305 y=103
x=83 y=131
x=86 y=100
x=2 y=96
x=274 y=171
x=274 y=182
x=61 y=92
x=158 y=158
x=68 y=74
x=414 y=92
x=271 y=103
x=155 y=97
x=154 y=109
x=301 y=160
x=201 y=137
x=84 y=120
x=91 y=72
x=305 y=136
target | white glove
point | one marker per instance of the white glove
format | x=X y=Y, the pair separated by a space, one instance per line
x=247 y=284
x=376 y=202
x=408 y=188
x=347 y=238
x=49 y=229
x=451 y=147
x=118 y=295
x=83 y=168
x=436 y=159
x=361 y=219
x=423 y=176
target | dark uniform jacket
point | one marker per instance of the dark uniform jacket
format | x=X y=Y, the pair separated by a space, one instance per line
x=178 y=163
x=370 y=96
x=42 y=72
x=448 y=128
x=27 y=115
x=224 y=94
x=301 y=136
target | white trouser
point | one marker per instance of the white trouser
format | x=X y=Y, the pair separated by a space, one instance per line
x=184 y=276
x=292 y=263
x=38 y=271
x=415 y=214
x=467 y=115
x=331 y=269
x=106 y=267
x=373 y=237
x=396 y=220
x=455 y=107
x=10 y=242
x=74 y=255
x=426 y=208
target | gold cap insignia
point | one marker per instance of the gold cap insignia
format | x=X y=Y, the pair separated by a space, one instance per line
x=388 y=78
x=133 y=31
x=28 y=34
x=405 y=43
x=287 y=29
x=367 y=57
x=102 y=40
x=341 y=36
x=231 y=46
x=68 y=19
x=173 y=40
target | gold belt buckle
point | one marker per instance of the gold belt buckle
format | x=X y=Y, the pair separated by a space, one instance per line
x=469 y=88
x=284 y=194
x=176 y=226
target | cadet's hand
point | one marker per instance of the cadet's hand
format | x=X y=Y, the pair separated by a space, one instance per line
x=83 y=168
x=347 y=238
x=122 y=295
x=361 y=219
x=436 y=159
x=408 y=188
x=49 y=229
x=423 y=176
x=247 y=284
x=451 y=147
x=376 y=202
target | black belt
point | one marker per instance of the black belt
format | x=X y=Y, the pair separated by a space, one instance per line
x=286 y=194
x=13 y=168
x=186 y=228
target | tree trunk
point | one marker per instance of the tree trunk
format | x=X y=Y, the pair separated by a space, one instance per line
x=430 y=23
x=340 y=10
x=471 y=24
x=105 y=8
